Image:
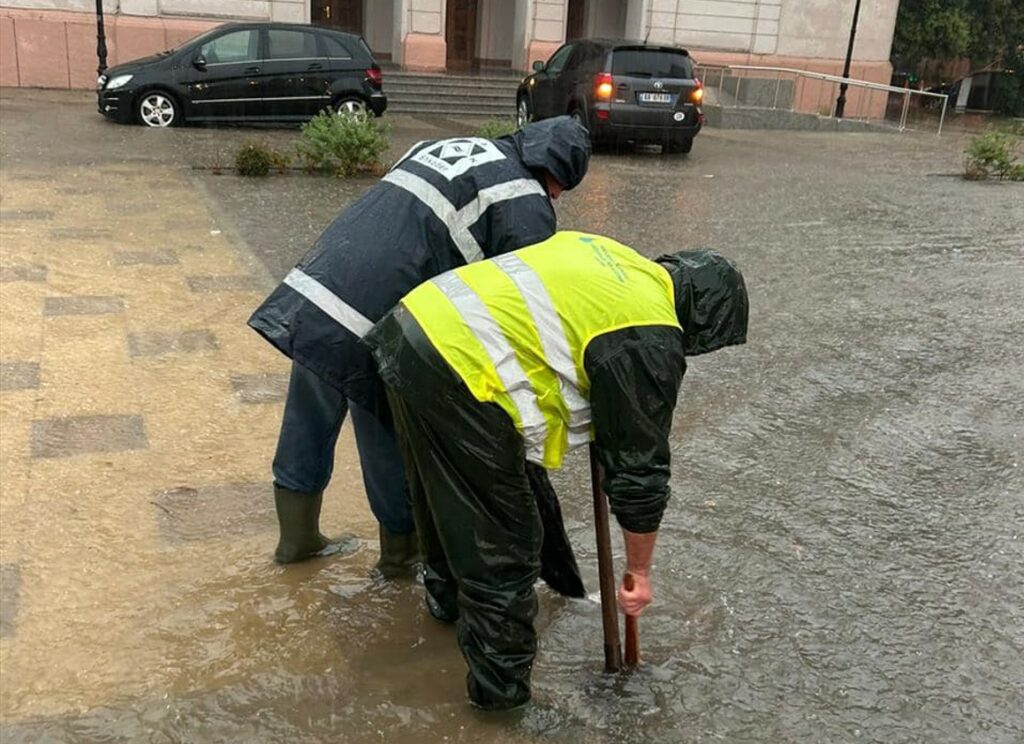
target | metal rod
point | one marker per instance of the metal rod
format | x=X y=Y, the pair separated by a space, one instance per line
x=631 y=656
x=906 y=107
x=841 y=101
x=942 y=116
x=605 y=570
x=778 y=82
x=101 y=40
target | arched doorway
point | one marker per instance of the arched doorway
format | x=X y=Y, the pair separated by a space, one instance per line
x=576 y=20
x=344 y=14
x=593 y=18
x=460 y=34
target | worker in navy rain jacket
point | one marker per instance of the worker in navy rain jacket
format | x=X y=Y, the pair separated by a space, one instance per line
x=445 y=203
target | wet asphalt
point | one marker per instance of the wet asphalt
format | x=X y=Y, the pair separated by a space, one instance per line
x=842 y=558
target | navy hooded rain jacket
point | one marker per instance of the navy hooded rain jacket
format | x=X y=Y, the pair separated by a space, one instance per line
x=445 y=203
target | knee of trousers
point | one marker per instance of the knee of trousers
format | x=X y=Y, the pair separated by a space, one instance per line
x=297 y=479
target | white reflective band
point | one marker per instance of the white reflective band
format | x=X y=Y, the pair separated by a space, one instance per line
x=499 y=192
x=487 y=331
x=577 y=438
x=440 y=206
x=330 y=303
x=460 y=221
x=553 y=342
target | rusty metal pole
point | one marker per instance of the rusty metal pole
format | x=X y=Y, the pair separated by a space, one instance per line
x=631 y=654
x=605 y=571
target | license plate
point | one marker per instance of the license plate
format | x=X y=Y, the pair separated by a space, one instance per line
x=655 y=98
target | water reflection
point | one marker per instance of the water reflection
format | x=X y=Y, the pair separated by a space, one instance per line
x=841 y=559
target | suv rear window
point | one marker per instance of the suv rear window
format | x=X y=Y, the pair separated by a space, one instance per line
x=660 y=63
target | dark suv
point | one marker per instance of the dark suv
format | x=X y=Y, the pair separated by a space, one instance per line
x=620 y=90
x=246 y=72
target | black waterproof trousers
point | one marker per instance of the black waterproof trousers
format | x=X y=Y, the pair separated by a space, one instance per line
x=478 y=522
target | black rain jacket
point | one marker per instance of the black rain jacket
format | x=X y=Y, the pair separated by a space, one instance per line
x=635 y=375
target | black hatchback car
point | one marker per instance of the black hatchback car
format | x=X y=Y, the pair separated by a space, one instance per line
x=620 y=90
x=246 y=72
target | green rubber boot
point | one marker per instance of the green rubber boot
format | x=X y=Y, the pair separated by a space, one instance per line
x=399 y=554
x=298 y=515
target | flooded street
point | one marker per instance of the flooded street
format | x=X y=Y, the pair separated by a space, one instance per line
x=842 y=559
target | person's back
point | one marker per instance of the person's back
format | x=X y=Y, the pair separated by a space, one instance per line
x=548 y=302
x=445 y=203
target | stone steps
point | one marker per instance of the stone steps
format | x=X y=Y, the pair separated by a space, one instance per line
x=489 y=94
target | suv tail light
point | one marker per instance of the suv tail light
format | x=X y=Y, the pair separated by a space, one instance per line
x=697 y=94
x=375 y=76
x=603 y=86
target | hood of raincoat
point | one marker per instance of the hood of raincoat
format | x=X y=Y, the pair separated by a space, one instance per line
x=711 y=300
x=561 y=146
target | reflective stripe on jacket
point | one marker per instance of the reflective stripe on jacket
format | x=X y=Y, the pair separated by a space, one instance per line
x=516 y=328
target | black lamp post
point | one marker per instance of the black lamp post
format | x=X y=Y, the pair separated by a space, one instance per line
x=101 y=39
x=841 y=101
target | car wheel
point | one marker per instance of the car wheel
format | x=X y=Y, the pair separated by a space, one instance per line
x=682 y=146
x=157 y=109
x=577 y=114
x=349 y=105
x=523 y=114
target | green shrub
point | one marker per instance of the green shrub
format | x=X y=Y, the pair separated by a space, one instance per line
x=256 y=159
x=992 y=154
x=497 y=127
x=343 y=144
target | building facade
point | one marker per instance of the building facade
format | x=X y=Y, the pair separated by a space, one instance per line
x=52 y=43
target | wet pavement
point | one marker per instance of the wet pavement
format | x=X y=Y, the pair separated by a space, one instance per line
x=841 y=561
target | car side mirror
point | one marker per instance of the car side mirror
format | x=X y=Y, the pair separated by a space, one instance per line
x=199 y=62
x=538 y=66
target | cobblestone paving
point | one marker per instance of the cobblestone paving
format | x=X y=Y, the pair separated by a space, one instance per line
x=139 y=417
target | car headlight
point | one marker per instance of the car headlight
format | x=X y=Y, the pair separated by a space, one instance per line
x=101 y=81
x=118 y=81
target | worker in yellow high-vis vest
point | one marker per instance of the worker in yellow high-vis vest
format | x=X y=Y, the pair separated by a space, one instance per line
x=521 y=358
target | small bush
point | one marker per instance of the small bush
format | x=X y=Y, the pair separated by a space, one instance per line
x=255 y=159
x=343 y=144
x=992 y=154
x=497 y=127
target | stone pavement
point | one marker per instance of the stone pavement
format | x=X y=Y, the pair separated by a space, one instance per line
x=139 y=418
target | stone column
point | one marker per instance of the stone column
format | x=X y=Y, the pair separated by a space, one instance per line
x=290 y=11
x=637 y=12
x=545 y=28
x=420 y=25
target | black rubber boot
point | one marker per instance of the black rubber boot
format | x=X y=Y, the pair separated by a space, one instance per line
x=298 y=515
x=399 y=554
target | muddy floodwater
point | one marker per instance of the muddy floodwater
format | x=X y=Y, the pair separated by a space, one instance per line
x=842 y=559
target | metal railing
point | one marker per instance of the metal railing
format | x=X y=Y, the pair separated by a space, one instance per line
x=750 y=86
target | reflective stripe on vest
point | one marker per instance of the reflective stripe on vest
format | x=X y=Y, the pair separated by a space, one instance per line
x=516 y=328
x=516 y=384
x=553 y=342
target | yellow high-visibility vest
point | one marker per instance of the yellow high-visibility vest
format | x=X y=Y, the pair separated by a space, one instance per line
x=515 y=328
